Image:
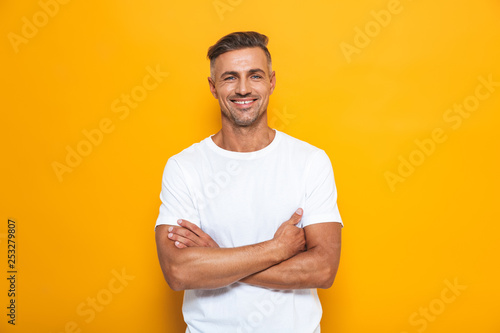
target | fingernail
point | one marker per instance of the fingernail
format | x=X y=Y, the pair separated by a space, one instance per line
x=170 y=235
x=177 y=243
x=299 y=211
x=179 y=221
x=170 y=229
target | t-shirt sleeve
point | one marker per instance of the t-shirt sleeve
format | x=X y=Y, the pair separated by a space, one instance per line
x=321 y=192
x=176 y=200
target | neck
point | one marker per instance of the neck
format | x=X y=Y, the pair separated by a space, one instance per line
x=244 y=139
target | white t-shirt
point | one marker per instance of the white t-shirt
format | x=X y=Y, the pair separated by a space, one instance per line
x=240 y=199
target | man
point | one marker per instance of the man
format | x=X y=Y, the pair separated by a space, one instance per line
x=245 y=226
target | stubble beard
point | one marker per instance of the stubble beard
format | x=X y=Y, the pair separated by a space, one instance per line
x=240 y=118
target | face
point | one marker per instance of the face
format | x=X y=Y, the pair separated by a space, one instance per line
x=242 y=84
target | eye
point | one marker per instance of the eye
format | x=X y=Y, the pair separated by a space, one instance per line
x=256 y=76
x=229 y=78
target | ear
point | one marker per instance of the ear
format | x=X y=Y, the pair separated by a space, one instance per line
x=211 y=83
x=273 y=81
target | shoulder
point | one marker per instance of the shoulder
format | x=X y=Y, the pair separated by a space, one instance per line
x=311 y=159
x=191 y=154
x=300 y=148
x=187 y=160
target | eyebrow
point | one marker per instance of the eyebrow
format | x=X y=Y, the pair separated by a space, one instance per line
x=251 y=71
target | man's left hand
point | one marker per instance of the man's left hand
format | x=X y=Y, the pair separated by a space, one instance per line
x=188 y=234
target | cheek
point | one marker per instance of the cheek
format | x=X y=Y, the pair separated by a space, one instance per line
x=264 y=89
x=223 y=92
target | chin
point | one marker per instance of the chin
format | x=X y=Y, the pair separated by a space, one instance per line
x=245 y=122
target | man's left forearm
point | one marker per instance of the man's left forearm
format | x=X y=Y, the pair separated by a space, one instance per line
x=315 y=268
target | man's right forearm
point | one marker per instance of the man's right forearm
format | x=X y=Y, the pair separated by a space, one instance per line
x=211 y=268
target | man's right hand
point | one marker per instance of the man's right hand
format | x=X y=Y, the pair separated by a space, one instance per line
x=290 y=238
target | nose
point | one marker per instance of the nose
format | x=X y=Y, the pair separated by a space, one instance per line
x=243 y=87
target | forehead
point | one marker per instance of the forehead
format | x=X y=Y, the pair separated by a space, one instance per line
x=241 y=60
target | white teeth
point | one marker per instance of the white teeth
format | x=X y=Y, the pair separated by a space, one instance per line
x=243 y=102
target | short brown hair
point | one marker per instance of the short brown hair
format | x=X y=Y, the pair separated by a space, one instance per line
x=237 y=41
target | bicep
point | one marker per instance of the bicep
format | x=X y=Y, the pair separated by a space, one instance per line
x=177 y=202
x=325 y=240
x=321 y=192
x=167 y=251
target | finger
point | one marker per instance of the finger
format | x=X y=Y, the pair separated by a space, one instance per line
x=191 y=231
x=180 y=239
x=195 y=233
x=203 y=238
x=191 y=226
x=179 y=245
x=296 y=216
x=207 y=241
x=184 y=233
x=197 y=236
x=212 y=243
x=181 y=231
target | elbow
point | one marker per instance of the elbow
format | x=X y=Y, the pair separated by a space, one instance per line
x=326 y=283
x=327 y=277
x=322 y=277
x=175 y=285
x=174 y=279
x=327 y=270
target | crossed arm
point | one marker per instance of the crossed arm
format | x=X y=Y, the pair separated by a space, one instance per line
x=295 y=258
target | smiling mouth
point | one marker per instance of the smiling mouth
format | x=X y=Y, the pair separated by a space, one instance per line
x=243 y=102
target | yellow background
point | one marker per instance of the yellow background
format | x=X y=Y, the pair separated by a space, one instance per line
x=401 y=242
